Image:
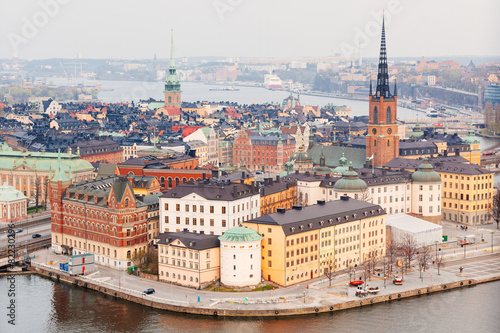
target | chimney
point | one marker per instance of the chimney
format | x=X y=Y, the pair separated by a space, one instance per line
x=204 y=176
x=202 y=232
x=344 y=198
x=185 y=230
x=321 y=202
x=243 y=174
x=281 y=210
x=277 y=179
x=235 y=191
x=297 y=207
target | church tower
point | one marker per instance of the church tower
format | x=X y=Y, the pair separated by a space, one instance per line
x=57 y=184
x=382 y=141
x=172 y=83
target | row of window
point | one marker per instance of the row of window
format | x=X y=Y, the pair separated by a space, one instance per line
x=485 y=206
x=481 y=196
x=178 y=276
x=467 y=186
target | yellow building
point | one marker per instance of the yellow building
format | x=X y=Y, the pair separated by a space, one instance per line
x=474 y=155
x=277 y=194
x=188 y=259
x=466 y=192
x=297 y=242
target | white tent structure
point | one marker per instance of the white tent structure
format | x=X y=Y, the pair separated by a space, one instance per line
x=423 y=232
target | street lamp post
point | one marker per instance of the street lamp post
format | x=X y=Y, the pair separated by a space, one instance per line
x=465 y=246
x=492 y=233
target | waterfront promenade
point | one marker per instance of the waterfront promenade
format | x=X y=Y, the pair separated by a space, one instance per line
x=313 y=296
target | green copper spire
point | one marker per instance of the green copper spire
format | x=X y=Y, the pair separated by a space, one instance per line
x=172 y=83
x=59 y=174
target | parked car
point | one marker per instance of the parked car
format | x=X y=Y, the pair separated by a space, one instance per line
x=148 y=291
x=36 y=236
x=11 y=234
x=18 y=230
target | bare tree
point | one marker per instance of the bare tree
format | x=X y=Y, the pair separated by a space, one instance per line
x=351 y=270
x=495 y=208
x=423 y=258
x=366 y=196
x=408 y=248
x=370 y=264
x=329 y=270
x=439 y=261
x=392 y=254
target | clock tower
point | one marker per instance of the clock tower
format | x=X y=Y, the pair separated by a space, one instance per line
x=172 y=83
x=382 y=141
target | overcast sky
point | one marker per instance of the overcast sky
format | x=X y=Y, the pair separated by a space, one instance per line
x=137 y=29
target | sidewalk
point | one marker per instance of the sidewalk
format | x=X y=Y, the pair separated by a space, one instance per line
x=314 y=293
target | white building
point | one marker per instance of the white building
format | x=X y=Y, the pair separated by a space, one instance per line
x=240 y=257
x=50 y=107
x=209 y=207
x=12 y=204
x=423 y=233
x=426 y=192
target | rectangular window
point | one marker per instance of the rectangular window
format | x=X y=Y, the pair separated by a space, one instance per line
x=202 y=222
x=269 y=263
x=211 y=222
x=166 y=206
x=269 y=253
x=187 y=208
x=224 y=210
x=194 y=221
x=269 y=241
x=223 y=223
x=178 y=220
x=211 y=209
x=202 y=209
x=194 y=208
x=178 y=207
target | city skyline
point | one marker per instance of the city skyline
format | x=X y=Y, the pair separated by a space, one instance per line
x=223 y=28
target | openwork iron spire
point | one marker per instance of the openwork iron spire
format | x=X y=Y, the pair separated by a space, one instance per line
x=172 y=58
x=383 y=73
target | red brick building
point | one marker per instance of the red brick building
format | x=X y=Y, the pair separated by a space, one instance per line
x=101 y=217
x=169 y=172
x=259 y=152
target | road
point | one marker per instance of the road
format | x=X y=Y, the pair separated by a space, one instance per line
x=42 y=229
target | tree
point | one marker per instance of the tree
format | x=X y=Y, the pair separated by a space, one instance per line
x=351 y=270
x=439 y=261
x=392 y=254
x=329 y=270
x=423 y=258
x=495 y=208
x=366 y=196
x=146 y=261
x=408 y=249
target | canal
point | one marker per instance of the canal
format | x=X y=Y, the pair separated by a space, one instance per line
x=46 y=306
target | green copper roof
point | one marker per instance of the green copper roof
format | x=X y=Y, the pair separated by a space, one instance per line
x=301 y=156
x=471 y=137
x=41 y=161
x=333 y=154
x=172 y=82
x=240 y=234
x=9 y=193
x=59 y=174
x=350 y=182
x=426 y=174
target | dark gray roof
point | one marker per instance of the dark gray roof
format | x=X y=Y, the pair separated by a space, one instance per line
x=191 y=240
x=213 y=191
x=440 y=165
x=319 y=216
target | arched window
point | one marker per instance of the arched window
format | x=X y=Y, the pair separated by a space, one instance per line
x=176 y=181
x=389 y=115
x=170 y=99
x=374 y=142
x=162 y=181
x=169 y=182
x=126 y=202
x=184 y=180
x=375 y=115
x=388 y=143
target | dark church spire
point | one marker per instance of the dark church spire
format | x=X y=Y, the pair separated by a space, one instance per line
x=371 y=87
x=383 y=73
x=395 y=88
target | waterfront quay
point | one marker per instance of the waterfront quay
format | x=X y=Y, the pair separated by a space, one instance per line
x=316 y=296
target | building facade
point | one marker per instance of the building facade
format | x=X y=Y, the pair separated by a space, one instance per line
x=188 y=259
x=13 y=204
x=101 y=217
x=208 y=206
x=297 y=244
x=29 y=172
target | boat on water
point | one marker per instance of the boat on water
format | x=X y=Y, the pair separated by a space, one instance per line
x=231 y=88
x=432 y=112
